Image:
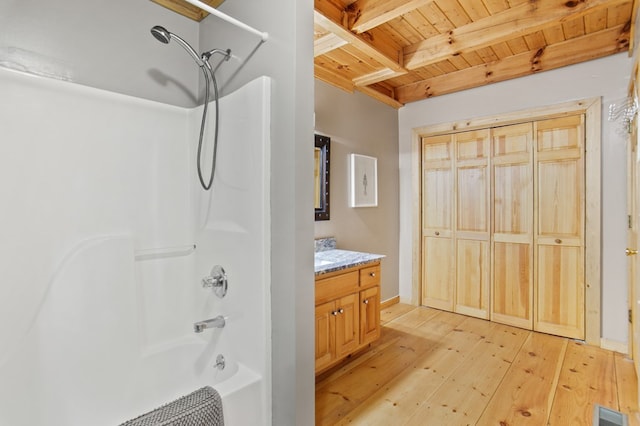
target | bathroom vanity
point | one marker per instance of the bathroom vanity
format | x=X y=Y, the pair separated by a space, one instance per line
x=347 y=304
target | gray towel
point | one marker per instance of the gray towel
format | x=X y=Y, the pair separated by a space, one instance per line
x=200 y=408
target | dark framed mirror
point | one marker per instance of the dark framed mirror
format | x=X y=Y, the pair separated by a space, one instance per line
x=321 y=181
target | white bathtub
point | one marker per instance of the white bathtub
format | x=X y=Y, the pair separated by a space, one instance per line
x=189 y=367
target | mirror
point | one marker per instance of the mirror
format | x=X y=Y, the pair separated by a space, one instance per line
x=321 y=196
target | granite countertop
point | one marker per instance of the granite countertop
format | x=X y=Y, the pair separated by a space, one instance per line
x=329 y=259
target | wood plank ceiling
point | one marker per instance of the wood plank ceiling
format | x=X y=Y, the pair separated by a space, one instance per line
x=400 y=51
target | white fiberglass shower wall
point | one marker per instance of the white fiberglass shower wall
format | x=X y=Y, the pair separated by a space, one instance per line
x=101 y=210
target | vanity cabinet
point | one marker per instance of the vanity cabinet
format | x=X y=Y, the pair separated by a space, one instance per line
x=347 y=312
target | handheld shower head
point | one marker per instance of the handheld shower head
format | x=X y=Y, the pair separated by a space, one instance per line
x=164 y=36
x=161 y=34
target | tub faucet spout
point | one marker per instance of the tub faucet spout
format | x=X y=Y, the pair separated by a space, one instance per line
x=217 y=322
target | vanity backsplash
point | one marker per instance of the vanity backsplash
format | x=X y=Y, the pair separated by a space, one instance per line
x=324 y=244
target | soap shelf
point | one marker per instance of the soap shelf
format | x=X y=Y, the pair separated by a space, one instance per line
x=164 y=252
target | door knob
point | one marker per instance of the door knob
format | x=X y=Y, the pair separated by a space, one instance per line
x=631 y=252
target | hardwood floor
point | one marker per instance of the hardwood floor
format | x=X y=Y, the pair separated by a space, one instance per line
x=433 y=367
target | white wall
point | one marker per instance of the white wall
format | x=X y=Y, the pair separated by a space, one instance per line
x=607 y=77
x=359 y=124
x=287 y=57
x=102 y=44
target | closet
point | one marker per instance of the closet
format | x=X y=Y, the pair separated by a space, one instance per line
x=503 y=218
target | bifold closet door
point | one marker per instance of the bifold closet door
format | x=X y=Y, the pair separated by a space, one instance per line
x=559 y=299
x=471 y=232
x=437 y=232
x=513 y=210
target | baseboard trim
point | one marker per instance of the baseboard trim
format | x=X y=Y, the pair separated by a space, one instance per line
x=614 y=345
x=386 y=303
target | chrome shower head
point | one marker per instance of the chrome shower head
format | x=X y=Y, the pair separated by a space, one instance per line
x=161 y=34
x=164 y=36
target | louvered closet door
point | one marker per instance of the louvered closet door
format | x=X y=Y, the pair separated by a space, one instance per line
x=472 y=223
x=559 y=241
x=512 y=242
x=437 y=212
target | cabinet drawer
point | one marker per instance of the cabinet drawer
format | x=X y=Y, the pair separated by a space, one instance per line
x=335 y=287
x=370 y=276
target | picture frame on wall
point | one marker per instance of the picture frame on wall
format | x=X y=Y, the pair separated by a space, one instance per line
x=363 y=185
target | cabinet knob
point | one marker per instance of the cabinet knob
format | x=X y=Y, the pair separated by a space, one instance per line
x=341 y=311
x=558 y=241
x=372 y=274
x=334 y=313
x=366 y=301
x=437 y=233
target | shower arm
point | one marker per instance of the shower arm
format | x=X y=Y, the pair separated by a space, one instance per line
x=206 y=55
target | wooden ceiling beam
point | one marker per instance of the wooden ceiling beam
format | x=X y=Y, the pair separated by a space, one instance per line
x=520 y=20
x=329 y=17
x=380 y=96
x=334 y=79
x=326 y=44
x=331 y=11
x=187 y=9
x=377 y=76
x=367 y=14
x=569 y=52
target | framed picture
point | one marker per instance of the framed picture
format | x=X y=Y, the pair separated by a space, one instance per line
x=364 y=181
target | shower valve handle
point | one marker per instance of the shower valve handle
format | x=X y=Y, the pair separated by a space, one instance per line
x=217 y=281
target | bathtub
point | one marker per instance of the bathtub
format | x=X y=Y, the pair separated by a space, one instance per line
x=189 y=367
x=93 y=363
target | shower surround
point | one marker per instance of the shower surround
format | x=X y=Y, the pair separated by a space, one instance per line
x=101 y=284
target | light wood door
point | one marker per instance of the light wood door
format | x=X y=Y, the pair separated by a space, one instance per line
x=472 y=183
x=347 y=324
x=325 y=335
x=512 y=214
x=559 y=242
x=437 y=223
x=369 y=315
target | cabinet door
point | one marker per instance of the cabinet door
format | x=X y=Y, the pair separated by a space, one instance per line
x=369 y=315
x=325 y=334
x=560 y=227
x=472 y=223
x=347 y=324
x=512 y=245
x=437 y=230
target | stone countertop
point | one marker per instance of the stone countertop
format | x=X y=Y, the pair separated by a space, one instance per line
x=334 y=260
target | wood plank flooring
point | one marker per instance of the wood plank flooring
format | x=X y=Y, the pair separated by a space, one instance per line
x=432 y=367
